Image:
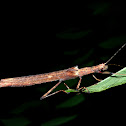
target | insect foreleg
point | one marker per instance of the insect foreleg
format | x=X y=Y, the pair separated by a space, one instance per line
x=96 y=77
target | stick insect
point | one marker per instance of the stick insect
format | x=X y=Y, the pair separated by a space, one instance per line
x=60 y=75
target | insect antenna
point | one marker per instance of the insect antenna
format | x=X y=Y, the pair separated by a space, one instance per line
x=115 y=54
x=116 y=65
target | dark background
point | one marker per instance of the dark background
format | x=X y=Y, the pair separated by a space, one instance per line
x=86 y=34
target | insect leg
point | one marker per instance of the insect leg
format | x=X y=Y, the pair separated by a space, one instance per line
x=105 y=72
x=96 y=77
x=46 y=94
x=52 y=94
x=66 y=86
x=84 y=88
x=78 y=85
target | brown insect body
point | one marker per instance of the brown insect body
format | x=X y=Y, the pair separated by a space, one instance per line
x=40 y=78
x=93 y=69
x=61 y=75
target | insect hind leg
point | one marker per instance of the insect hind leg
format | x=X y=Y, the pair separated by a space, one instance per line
x=53 y=94
x=47 y=94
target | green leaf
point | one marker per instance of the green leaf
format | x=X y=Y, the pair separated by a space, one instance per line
x=25 y=106
x=59 y=121
x=100 y=8
x=118 y=41
x=17 y=121
x=75 y=100
x=116 y=79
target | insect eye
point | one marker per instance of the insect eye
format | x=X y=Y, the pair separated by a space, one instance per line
x=102 y=69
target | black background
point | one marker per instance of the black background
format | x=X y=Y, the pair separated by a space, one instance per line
x=86 y=34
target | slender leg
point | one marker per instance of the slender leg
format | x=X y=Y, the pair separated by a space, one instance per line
x=105 y=72
x=84 y=88
x=66 y=86
x=96 y=78
x=52 y=94
x=78 y=85
x=46 y=94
